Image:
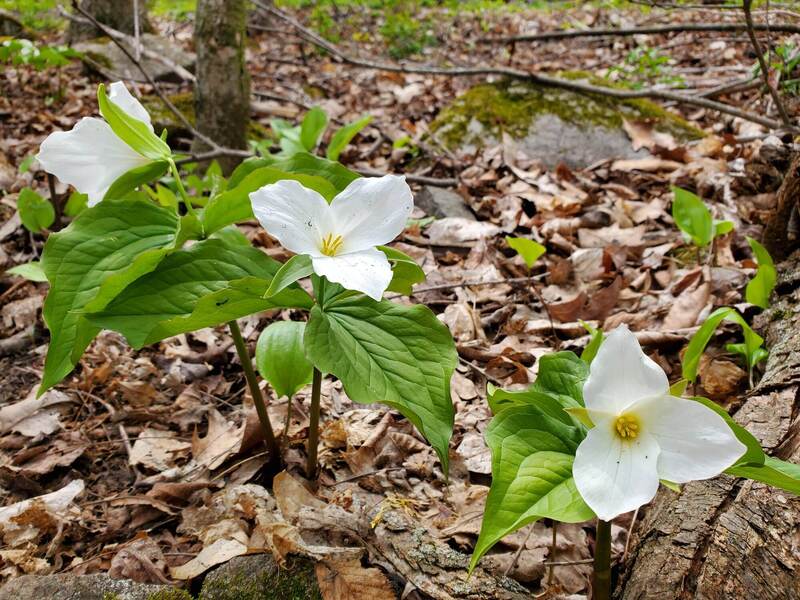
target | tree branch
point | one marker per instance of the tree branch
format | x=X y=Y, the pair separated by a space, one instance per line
x=545 y=80
x=549 y=36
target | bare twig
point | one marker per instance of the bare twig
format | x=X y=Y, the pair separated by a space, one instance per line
x=518 y=553
x=746 y=6
x=545 y=80
x=433 y=181
x=548 y=36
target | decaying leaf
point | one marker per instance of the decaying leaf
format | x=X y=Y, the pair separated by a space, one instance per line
x=350 y=581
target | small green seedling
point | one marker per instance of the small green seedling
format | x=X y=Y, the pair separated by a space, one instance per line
x=529 y=250
x=35 y=212
x=307 y=136
x=760 y=287
x=694 y=219
x=752 y=350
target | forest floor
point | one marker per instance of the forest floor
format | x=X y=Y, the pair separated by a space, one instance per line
x=136 y=427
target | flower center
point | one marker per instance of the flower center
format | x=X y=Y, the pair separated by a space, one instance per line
x=331 y=245
x=627 y=427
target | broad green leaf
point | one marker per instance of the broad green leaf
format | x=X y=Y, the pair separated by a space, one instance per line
x=136 y=177
x=87 y=264
x=292 y=270
x=343 y=136
x=405 y=271
x=132 y=131
x=562 y=375
x=777 y=473
x=303 y=163
x=754 y=454
x=280 y=357
x=233 y=205
x=32 y=271
x=76 y=204
x=398 y=355
x=203 y=285
x=699 y=341
x=760 y=287
x=532 y=456
x=35 y=212
x=692 y=217
x=500 y=400
x=722 y=227
x=529 y=250
x=312 y=127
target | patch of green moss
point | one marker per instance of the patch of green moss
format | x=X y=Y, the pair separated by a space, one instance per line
x=172 y=594
x=295 y=581
x=512 y=106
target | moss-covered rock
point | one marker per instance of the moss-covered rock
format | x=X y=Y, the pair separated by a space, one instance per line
x=97 y=586
x=551 y=124
x=258 y=577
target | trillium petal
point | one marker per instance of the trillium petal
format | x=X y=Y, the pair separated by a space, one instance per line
x=615 y=476
x=298 y=217
x=622 y=374
x=119 y=95
x=90 y=157
x=372 y=211
x=367 y=271
x=695 y=442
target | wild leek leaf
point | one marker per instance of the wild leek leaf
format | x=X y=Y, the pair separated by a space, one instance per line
x=280 y=357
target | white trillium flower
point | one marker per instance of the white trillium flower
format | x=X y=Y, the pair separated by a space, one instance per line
x=340 y=237
x=642 y=433
x=90 y=157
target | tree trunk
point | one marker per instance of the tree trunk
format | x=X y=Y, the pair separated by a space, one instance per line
x=222 y=93
x=118 y=14
x=781 y=232
x=731 y=538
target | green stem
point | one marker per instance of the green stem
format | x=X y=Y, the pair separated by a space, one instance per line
x=601 y=584
x=255 y=391
x=313 y=428
x=182 y=190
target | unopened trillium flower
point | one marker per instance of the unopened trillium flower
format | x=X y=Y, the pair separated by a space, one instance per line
x=340 y=237
x=642 y=433
x=90 y=157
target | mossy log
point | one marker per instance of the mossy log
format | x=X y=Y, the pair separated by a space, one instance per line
x=728 y=538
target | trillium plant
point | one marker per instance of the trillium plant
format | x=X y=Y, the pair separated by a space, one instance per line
x=150 y=265
x=594 y=438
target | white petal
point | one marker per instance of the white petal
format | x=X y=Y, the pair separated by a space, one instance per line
x=695 y=442
x=622 y=374
x=615 y=476
x=119 y=95
x=372 y=211
x=295 y=215
x=90 y=157
x=367 y=271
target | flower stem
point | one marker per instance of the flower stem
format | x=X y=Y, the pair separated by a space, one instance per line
x=181 y=190
x=313 y=428
x=601 y=583
x=255 y=391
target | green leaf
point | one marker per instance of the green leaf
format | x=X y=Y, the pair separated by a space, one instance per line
x=233 y=205
x=532 y=456
x=35 y=212
x=699 y=341
x=307 y=164
x=593 y=346
x=280 y=357
x=562 y=375
x=760 y=287
x=32 y=271
x=405 y=271
x=529 y=250
x=344 y=135
x=76 y=204
x=754 y=454
x=402 y=356
x=312 y=127
x=87 y=264
x=692 y=217
x=206 y=284
x=777 y=473
x=292 y=270
x=132 y=131
x=136 y=177
x=722 y=227
x=500 y=400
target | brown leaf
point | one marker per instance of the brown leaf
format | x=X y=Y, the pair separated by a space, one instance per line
x=157 y=449
x=291 y=496
x=141 y=561
x=222 y=440
x=348 y=580
x=686 y=309
x=568 y=310
x=601 y=303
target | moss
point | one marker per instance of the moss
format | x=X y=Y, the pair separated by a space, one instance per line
x=296 y=581
x=512 y=106
x=172 y=594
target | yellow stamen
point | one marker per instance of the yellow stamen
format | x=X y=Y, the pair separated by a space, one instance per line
x=627 y=427
x=331 y=245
